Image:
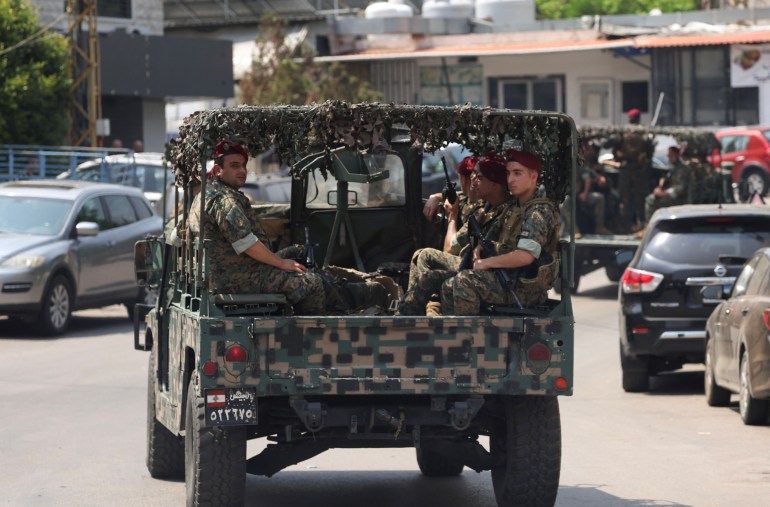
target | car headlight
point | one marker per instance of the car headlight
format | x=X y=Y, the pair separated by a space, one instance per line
x=24 y=261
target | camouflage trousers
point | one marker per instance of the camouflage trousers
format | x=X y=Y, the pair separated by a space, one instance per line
x=304 y=291
x=463 y=294
x=428 y=270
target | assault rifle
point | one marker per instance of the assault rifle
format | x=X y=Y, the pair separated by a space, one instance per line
x=309 y=260
x=450 y=190
x=476 y=235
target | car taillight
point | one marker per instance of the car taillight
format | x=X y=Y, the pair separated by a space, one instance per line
x=766 y=318
x=637 y=280
x=236 y=354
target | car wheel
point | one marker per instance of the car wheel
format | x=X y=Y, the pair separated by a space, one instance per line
x=635 y=373
x=526 y=451
x=215 y=458
x=755 y=182
x=433 y=464
x=165 y=451
x=716 y=396
x=752 y=411
x=56 y=312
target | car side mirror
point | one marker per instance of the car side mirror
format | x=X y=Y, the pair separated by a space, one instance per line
x=148 y=262
x=87 y=229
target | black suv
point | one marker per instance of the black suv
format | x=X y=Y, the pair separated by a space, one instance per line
x=663 y=308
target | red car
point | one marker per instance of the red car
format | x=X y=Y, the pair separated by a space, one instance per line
x=748 y=150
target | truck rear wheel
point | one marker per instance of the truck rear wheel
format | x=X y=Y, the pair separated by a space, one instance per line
x=165 y=451
x=526 y=450
x=215 y=458
x=434 y=465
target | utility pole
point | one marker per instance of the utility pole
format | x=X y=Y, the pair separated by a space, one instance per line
x=85 y=98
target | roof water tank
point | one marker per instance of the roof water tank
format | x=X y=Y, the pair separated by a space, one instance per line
x=391 y=9
x=462 y=9
x=506 y=12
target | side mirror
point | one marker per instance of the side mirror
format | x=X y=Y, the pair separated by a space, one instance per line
x=148 y=262
x=87 y=229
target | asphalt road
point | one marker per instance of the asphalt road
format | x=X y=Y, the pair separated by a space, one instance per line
x=73 y=433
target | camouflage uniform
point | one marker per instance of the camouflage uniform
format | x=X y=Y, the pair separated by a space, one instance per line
x=532 y=226
x=634 y=156
x=676 y=192
x=466 y=208
x=232 y=226
x=430 y=268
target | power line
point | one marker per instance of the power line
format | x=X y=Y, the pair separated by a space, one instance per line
x=31 y=38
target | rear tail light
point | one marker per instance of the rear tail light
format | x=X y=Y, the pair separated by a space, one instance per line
x=236 y=354
x=538 y=357
x=637 y=280
x=766 y=318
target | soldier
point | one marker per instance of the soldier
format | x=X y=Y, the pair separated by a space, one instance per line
x=672 y=189
x=589 y=199
x=430 y=267
x=524 y=238
x=466 y=203
x=240 y=259
x=633 y=153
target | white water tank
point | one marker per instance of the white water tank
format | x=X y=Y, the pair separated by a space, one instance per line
x=455 y=9
x=390 y=9
x=506 y=12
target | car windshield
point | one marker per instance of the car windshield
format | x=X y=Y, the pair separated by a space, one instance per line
x=33 y=215
x=707 y=240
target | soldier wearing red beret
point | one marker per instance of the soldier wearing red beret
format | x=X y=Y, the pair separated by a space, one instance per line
x=523 y=234
x=241 y=261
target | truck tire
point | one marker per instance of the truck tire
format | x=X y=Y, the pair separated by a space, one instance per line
x=165 y=451
x=215 y=458
x=716 y=396
x=433 y=465
x=56 y=310
x=526 y=450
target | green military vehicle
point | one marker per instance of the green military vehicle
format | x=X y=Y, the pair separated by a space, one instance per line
x=477 y=391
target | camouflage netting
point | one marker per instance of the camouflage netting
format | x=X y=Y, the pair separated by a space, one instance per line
x=293 y=130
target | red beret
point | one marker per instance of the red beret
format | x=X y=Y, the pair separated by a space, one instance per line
x=227 y=148
x=633 y=113
x=466 y=165
x=493 y=169
x=524 y=158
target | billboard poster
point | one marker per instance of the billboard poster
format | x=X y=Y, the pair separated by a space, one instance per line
x=749 y=65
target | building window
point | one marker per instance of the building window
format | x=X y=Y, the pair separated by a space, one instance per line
x=449 y=85
x=114 y=8
x=635 y=96
x=530 y=93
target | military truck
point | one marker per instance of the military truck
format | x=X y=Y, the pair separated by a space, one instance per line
x=478 y=391
x=709 y=184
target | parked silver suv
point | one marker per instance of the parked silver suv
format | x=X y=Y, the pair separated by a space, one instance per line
x=68 y=245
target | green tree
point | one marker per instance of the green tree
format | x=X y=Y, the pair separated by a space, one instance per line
x=34 y=82
x=285 y=73
x=558 y=9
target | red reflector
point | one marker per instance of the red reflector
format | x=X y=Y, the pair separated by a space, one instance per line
x=560 y=384
x=539 y=352
x=640 y=330
x=766 y=318
x=236 y=354
x=209 y=368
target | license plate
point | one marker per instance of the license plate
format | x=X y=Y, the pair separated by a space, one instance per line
x=231 y=406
